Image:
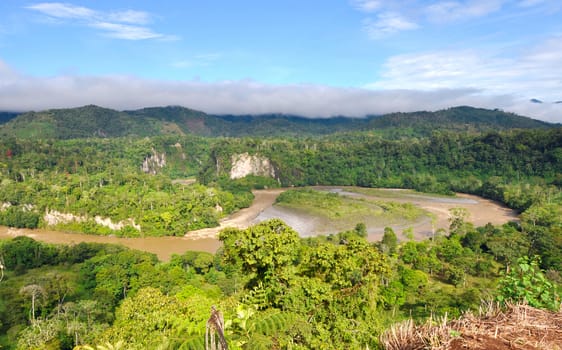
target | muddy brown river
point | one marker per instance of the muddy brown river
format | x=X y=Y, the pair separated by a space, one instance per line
x=481 y=212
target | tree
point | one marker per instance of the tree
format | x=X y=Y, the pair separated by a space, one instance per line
x=361 y=229
x=35 y=292
x=263 y=250
x=389 y=241
x=457 y=221
x=23 y=253
x=58 y=286
x=1 y=268
x=150 y=317
x=41 y=335
x=508 y=244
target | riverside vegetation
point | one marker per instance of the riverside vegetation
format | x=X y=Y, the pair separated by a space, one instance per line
x=275 y=290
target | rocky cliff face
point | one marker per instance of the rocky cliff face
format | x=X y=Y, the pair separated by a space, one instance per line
x=153 y=163
x=245 y=164
x=53 y=217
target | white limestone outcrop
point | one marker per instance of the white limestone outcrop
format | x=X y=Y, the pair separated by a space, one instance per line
x=245 y=164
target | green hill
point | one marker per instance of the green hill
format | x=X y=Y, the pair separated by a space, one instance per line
x=6 y=116
x=94 y=121
x=463 y=118
x=70 y=123
x=415 y=124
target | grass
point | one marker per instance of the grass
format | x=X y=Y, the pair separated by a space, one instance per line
x=343 y=212
x=328 y=205
x=394 y=193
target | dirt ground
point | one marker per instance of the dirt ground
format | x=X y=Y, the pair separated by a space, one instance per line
x=515 y=327
x=243 y=218
x=481 y=211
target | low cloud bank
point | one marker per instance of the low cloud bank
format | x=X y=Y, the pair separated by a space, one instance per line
x=24 y=93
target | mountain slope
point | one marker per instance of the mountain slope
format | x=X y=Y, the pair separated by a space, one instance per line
x=463 y=118
x=7 y=116
x=94 y=121
x=87 y=121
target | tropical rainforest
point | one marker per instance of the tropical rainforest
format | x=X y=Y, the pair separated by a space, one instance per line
x=167 y=171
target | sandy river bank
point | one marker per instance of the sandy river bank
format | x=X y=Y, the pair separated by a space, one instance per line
x=481 y=212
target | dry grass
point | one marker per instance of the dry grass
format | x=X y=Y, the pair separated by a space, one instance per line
x=518 y=327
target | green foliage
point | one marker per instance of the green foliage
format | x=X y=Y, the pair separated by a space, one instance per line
x=458 y=221
x=264 y=250
x=249 y=182
x=413 y=280
x=298 y=293
x=507 y=244
x=113 y=277
x=201 y=262
x=361 y=229
x=94 y=121
x=273 y=328
x=543 y=224
x=389 y=241
x=527 y=283
x=440 y=163
x=275 y=290
x=342 y=212
x=102 y=178
x=22 y=253
x=20 y=218
x=151 y=317
x=41 y=335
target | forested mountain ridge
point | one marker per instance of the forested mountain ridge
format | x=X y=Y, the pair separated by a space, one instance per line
x=82 y=122
x=462 y=118
x=7 y=116
x=94 y=121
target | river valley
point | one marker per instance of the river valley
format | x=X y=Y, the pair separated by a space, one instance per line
x=481 y=212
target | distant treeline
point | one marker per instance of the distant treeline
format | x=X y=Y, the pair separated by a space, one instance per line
x=442 y=163
x=94 y=121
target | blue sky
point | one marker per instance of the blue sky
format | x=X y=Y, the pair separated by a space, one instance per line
x=309 y=57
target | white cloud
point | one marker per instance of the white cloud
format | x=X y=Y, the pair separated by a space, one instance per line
x=387 y=23
x=386 y=17
x=128 y=24
x=367 y=5
x=445 y=11
x=18 y=92
x=125 y=31
x=61 y=10
x=534 y=73
x=130 y=16
x=390 y=17
x=444 y=69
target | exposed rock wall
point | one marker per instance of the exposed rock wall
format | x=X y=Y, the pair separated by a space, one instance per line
x=25 y=207
x=245 y=164
x=53 y=217
x=154 y=162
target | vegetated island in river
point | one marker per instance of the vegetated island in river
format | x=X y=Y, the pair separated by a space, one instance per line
x=431 y=213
